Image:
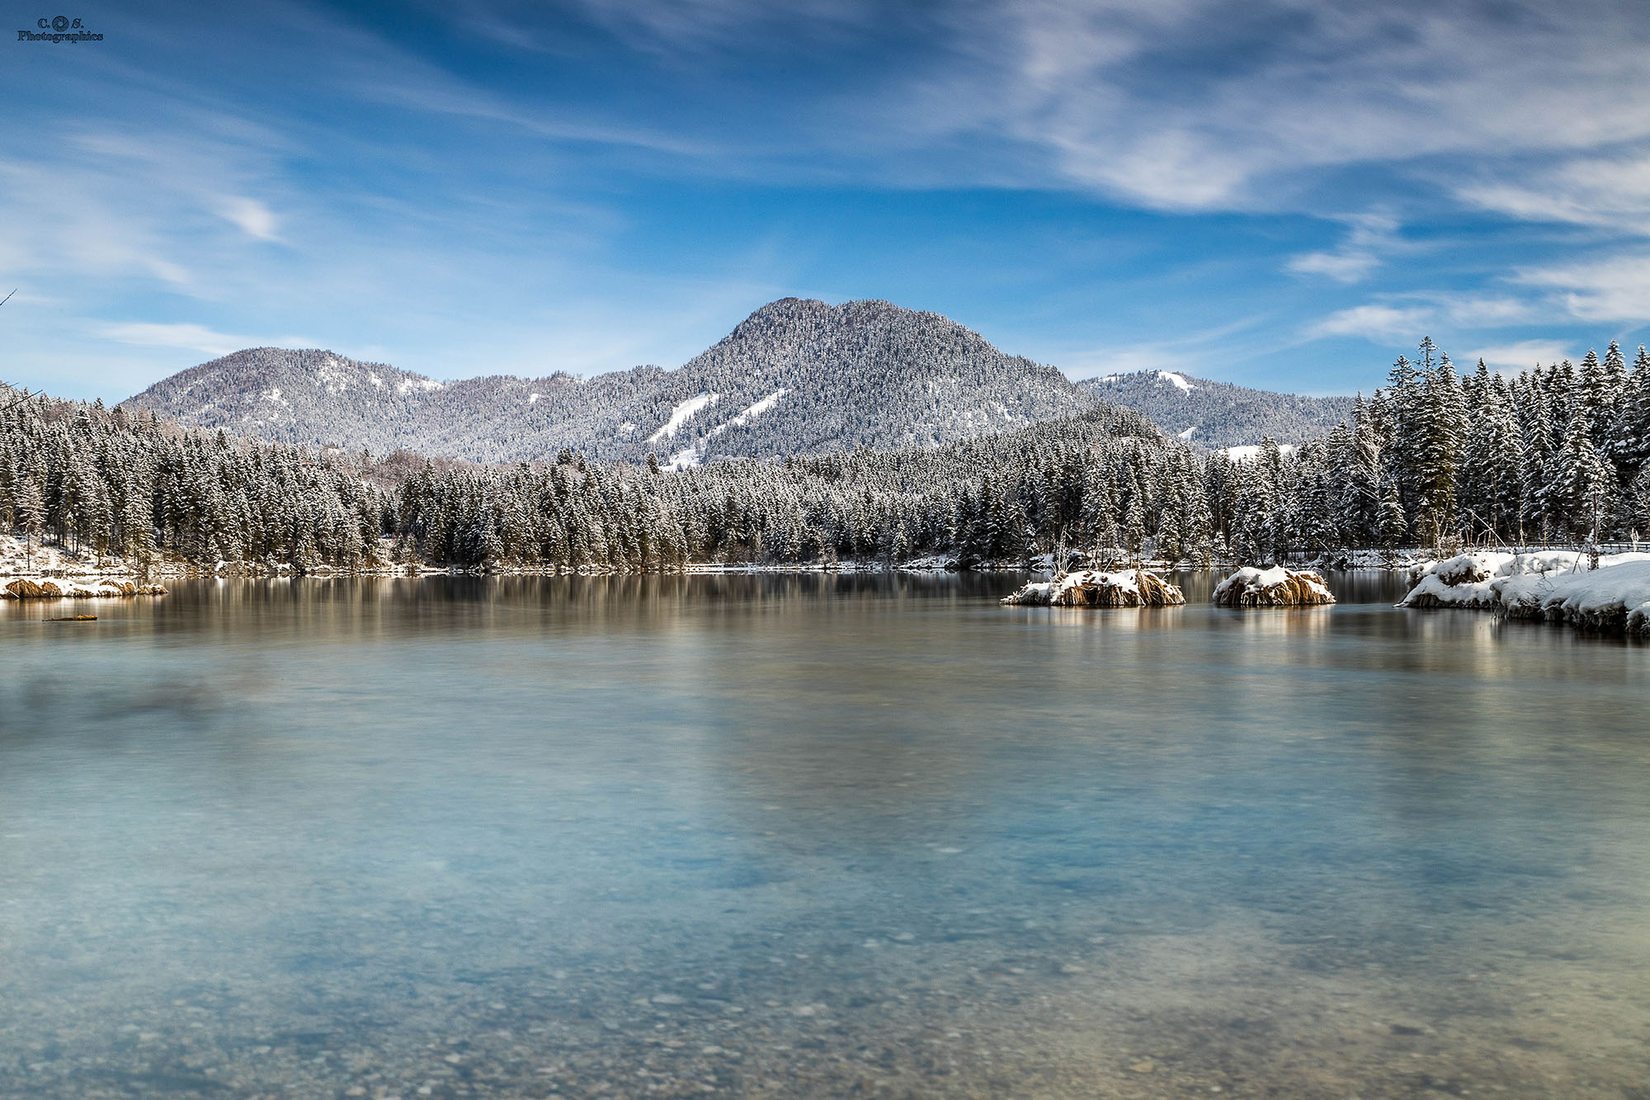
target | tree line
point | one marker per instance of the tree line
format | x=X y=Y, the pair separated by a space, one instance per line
x=1557 y=454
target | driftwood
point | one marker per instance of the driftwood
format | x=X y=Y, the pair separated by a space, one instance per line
x=1093 y=588
x=1275 y=587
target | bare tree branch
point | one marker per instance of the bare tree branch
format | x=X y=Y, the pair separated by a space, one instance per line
x=16 y=401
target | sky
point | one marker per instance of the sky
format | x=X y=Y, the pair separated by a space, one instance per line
x=1278 y=193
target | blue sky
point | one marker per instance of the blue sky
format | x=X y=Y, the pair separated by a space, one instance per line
x=1276 y=193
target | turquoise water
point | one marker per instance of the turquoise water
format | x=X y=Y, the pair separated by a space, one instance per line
x=815 y=836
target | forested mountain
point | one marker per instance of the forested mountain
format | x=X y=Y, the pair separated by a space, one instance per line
x=797 y=377
x=1218 y=414
x=1560 y=455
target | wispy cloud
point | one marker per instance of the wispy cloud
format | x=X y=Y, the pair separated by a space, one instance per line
x=673 y=27
x=1406 y=318
x=193 y=338
x=1343 y=266
x=1605 y=289
x=1520 y=356
x=1151 y=103
x=445 y=96
x=580 y=184
x=1378 y=323
x=249 y=216
x=1369 y=238
x=1609 y=192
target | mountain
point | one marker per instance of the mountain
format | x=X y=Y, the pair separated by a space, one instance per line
x=1218 y=414
x=796 y=377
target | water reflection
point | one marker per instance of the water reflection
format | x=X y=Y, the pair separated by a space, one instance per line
x=814 y=835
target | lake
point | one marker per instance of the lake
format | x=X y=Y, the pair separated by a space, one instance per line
x=815 y=835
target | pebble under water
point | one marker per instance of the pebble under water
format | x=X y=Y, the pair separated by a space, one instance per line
x=816 y=836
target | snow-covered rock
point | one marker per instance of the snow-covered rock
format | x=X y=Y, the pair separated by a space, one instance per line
x=1094 y=588
x=1274 y=587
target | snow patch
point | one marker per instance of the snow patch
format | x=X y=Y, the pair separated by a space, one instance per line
x=752 y=411
x=681 y=414
x=684 y=459
x=332 y=376
x=533 y=398
x=1188 y=433
x=757 y=408
x=408 y=385
x=1247 y=452
x=1178 y=381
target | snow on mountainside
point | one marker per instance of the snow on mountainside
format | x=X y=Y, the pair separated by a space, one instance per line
x=1218 y=414
x=795 y=377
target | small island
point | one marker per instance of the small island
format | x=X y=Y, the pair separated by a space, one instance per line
x=1096 y=588
x=1273 y=587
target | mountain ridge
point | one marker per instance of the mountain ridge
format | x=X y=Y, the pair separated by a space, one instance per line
x=796 y=377
x=1219 y=414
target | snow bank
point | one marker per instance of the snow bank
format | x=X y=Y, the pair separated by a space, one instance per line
x=1433 y=591
x=1611 y=599
x=1093 y=588
x=25 y=589
x=1463 y=568
x=938 y=563
x=1274 y=587
x=1559 y=586
x=1468 y=580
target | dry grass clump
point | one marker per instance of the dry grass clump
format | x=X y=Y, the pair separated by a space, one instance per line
x=1275 y=587
x=1094 y=588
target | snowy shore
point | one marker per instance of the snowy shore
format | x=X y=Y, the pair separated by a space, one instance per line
x=23 y=588
x=1558 y=586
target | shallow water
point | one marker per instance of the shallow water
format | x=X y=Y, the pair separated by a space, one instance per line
x=816 y=836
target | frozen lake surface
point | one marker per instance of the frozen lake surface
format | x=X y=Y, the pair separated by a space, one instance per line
x=780 y=836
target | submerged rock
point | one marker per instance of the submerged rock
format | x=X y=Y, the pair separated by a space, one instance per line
x=1274 y=587
x=1094 y=588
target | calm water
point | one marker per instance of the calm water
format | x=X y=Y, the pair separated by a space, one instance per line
x=816 y=836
